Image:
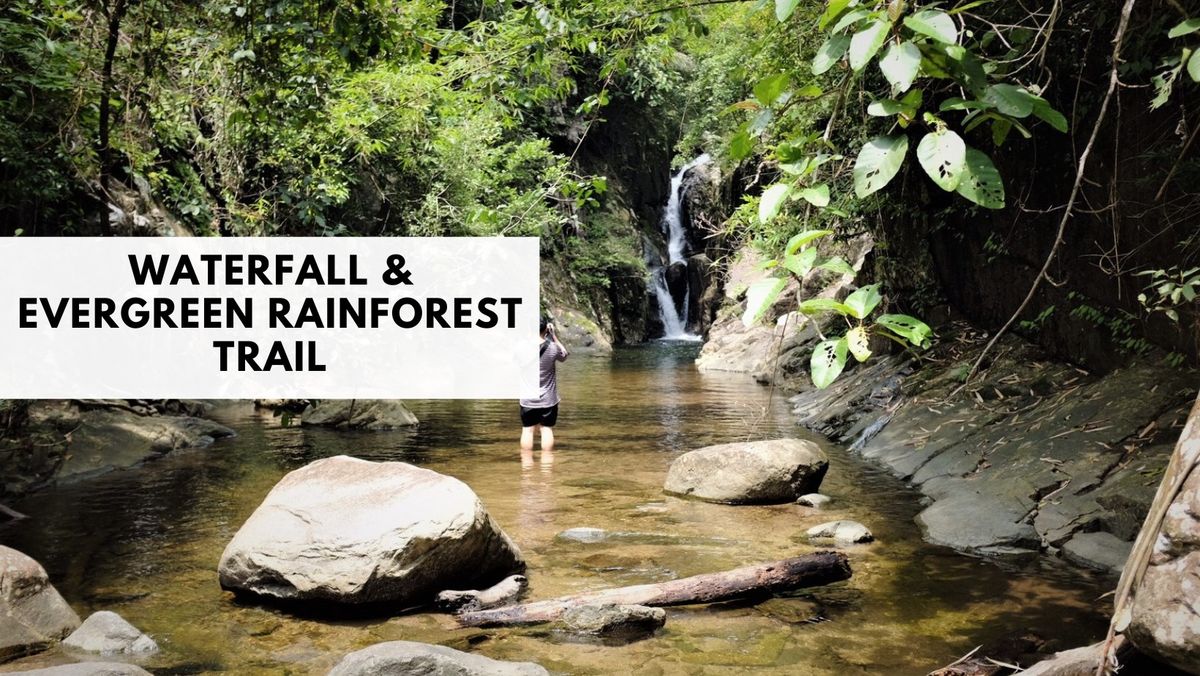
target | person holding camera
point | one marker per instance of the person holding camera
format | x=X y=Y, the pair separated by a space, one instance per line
x=541 y=413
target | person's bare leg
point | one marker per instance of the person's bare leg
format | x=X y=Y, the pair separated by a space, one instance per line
x=527 y=437
x=526 y=458
x=547 y=440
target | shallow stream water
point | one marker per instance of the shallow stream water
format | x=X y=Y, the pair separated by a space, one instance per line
x=145 y=542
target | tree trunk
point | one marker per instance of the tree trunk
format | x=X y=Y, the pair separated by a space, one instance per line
x=103 y=149
x=809 y=570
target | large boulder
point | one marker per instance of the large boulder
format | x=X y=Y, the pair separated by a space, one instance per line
x=1165 y=623
x=91 y=669
x=32 y=613
x=108 y=633
x=773 y=471
x=407 y=657
x=350 y=531
x=360 y=414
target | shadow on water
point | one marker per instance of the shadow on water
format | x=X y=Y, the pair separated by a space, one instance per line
x=145 y=542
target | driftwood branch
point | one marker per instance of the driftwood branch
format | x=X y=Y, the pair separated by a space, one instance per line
x=778 y=576
x=503 y=592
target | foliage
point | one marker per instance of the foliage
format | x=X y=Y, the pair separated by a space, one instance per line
x=1169 y=290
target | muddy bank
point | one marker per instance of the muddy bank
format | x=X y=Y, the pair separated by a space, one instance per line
x=1033 y=455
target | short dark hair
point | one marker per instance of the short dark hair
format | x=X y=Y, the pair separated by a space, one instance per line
x=542 y=324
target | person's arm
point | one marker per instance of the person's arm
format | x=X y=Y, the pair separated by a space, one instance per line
x=562 y=349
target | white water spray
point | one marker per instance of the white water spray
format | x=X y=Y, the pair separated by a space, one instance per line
x=673 y=319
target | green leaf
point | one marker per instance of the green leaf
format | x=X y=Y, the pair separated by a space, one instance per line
x=740 y=146
x=784 y=9
x=1185 y=28
x=900 y=64
x=830 y=53
x=818 y=195
x=909 y=328
x=1193 y=66
x=772 y=202
x=814 y=305
x=837 y=264
x=981 y=181
x=866 y=43
x=1010 y=99
x=884 y=107
x=247 y=54
x=878 y=162
x=859 y=343
x=760 y=296
x=769 y=88
x=956 y=103
x=1043 y=111
x=943 y=156
x=804 y=238
x=1000 y=129
x=828 y=360
x=862 y=301
x=800 y=264
x=850 y=18
x=935 y=24
x=832 y=12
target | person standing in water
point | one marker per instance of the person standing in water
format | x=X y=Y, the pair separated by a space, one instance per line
x=541 y=414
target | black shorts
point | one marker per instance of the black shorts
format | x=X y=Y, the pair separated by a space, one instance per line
x=546 y=417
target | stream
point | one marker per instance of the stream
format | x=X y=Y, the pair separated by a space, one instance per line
x=145 y=542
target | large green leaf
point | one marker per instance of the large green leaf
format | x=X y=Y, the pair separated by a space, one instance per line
x=884 y=107
x=772 y=201
x=832 y=12
x=800 y=264
x=1193 y=66
x=1047 y=114
x=911 y=329
x=943 y=156
x=837 y=264
x=863 y=300
x=741 y=145
x=1010 y=99
x=900 y=64
x=849 y=19
x=935 y=24
x=769 y=88
x=814 y=305
x=878 y=162
x=784 y=8
x=859 y=343
x=818 y=195
x=1185 y=28
x=981 y=181
x=866 y=43
x=828 y=360
x=797 y=241
x=830 y=53
x=760 y=296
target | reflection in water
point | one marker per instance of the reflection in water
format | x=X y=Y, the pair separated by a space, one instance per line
x=146 y=542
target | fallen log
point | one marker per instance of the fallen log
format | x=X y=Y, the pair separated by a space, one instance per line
x=809 y=570
x=505 y=591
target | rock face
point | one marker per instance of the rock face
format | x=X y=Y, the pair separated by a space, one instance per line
x=108 y=633
x=842 y=532
x=360 y=414
x=980 y=523
x=32 y=613
x=612 y=619
x=91 y=669
x=774 y=471
x=406 y=657
x=349 y=531
x=1102 y=551
x=1166 y=609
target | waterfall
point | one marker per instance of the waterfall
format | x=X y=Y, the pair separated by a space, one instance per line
x=675 y=316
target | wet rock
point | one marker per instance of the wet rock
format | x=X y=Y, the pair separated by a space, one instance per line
x=612 y=619
x=1102 y=551
x=502 y=593
x=407 y=657
x=1076 y=662
x=981 y=523
x=32 y=613
x=349 y=531
x=814 y=500
x=843 y=532
x=773 y=471
x=1166 y=610
x=91 y=669
x=360 y=414
x=108 y=633
x=583 y=534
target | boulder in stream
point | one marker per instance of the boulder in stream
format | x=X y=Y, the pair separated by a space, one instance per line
x=91 y=669
x=1101 y=550
x=408 y=657
x=610 y=618
x=108 y=633
x=33 y=616
x=349 y=531
x=752 y=472
x=843 y=532
x=814 y=500
x=360 y=414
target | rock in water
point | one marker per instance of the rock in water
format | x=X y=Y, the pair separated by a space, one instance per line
x=91 y=669
x=349 y=531
x=360 y=414
x=773 y=471
x=843 y=532
x=1166 y=605
x=1101 y=550
x=814 y=500
x=108 y=633
x=407 y=657
x=612 y=619
x=32 y=613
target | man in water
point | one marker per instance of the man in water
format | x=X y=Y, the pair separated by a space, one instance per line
x=541 y=413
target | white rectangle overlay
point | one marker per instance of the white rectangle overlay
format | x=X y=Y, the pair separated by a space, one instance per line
x=489 y=351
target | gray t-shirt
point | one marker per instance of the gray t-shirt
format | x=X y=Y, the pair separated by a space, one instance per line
x=547 y=379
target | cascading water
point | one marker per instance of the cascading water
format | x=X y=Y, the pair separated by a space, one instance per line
x=674 y=316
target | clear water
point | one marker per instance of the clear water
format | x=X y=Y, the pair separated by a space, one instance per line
x=145 y=542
